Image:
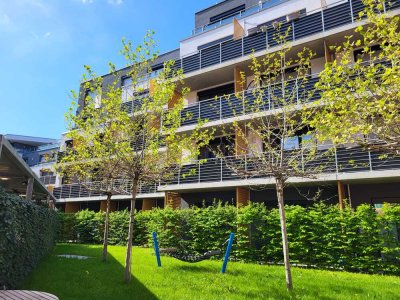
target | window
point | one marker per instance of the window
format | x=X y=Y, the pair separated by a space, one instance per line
x=126 y=81
x=223 y=145
x=94 y=97
x=46 y=172
x=216 y=92
x=360 y=54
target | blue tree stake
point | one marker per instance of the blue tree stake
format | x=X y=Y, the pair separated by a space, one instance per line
x=157 y=251
x=227 y=252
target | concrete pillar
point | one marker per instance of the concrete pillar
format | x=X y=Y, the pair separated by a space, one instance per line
x=72 y=207
x=242 y=196
x=103 y=205
x=29 y=189
x=148 y=204
x=341 y=194
x=172 y=200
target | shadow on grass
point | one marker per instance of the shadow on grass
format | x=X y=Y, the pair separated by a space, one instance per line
x=91 y=278
x=216 y=269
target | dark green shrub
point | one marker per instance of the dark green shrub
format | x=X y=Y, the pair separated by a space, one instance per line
x=320 y=235
x=27 y=233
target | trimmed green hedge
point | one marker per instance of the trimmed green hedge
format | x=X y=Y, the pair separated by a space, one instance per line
x=321 y=235
x=27 y=233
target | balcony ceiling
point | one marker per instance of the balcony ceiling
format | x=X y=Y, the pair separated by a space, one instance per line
x=14 y=173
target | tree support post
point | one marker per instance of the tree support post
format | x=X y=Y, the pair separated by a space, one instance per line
x=227 y=252
x=156 y=249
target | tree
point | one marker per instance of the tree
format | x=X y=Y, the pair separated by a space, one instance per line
x=360 y=98
x=276 y=141
x=93 y=161
x=139 y=136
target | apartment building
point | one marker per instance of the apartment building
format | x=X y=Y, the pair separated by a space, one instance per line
x=212 y=59
x=40 y=154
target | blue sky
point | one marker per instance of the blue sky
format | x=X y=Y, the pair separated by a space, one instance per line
x=45 y=43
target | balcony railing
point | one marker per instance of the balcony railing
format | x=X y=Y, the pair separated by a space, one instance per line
x=77 y=190
x=238 y=15
x=343 y=160
x=251 y=101
x=335 y=15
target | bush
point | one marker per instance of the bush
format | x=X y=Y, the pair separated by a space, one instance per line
x=320 y=236
x=27 y=233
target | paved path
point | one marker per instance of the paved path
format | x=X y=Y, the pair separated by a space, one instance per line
x=25 y=295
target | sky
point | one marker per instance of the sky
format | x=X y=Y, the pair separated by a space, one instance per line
x=44 y=45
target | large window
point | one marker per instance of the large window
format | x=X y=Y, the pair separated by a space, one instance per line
x=222 y=145
x=216 y=92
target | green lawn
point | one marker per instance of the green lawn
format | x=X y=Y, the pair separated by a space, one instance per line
x=92 y=279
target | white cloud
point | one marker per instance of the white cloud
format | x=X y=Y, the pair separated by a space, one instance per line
x=87 y=1
x=115 y=2
x=47 y=34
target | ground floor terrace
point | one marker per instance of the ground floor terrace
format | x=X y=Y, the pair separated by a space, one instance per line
x=374 y=192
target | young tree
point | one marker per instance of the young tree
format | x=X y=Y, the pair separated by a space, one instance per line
x=360 y=99
x=93 y=161
x=276 y=142
x=142 y=142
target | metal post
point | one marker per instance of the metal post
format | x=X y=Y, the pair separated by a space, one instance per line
x=370 y=160
x=221 y=168
x=269 y=97
x=336 y=162
x=351 y=11
x=200 y=59
x=323 y=21
x=179 y=175
x=199 y=110
x=243 y=103
x=156 y=249
x=220 y=108
x=220 y=53
x=293 y=31
x=227 y=252
x=199 y=172
x=242 y=46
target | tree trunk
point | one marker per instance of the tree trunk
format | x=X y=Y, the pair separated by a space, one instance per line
x=285 y=246
x=128 y=257
x=106 y=225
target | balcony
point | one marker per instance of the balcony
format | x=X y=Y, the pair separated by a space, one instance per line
x=238 y=15
x=344 y=160
x=248 y=101
x=333 y=16
x=77 y=190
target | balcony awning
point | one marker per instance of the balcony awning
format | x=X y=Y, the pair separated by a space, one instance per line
x=15 y=173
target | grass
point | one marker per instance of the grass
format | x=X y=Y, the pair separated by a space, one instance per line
x=93 y=279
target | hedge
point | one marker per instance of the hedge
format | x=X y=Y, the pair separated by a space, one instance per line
x=321 y=236
x=27 y=233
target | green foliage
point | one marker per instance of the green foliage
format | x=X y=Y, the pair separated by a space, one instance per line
x=27 y=234
x=321 y=235
x=362 y=96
